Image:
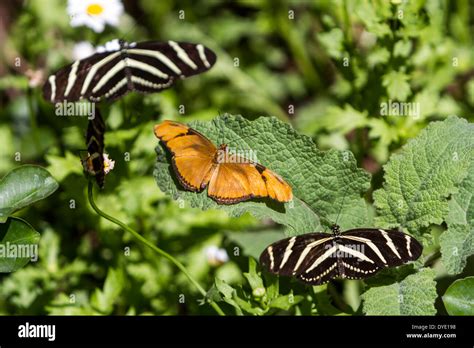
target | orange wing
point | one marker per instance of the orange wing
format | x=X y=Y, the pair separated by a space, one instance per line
x=277 y=188
x=230 y=181
x=239 y=180
x=193 y=154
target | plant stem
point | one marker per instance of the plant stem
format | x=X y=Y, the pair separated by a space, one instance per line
x=150 y=245
x=33 y=122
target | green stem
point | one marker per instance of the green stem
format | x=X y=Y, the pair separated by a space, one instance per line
x=33 y=122
x=150 y=245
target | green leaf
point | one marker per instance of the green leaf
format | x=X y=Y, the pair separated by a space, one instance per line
x=459 y=297
x=343 y=120
x=461 y=205
x=254 y=279
x=285 y=302
x=17 y=239
x=397 y=86
x=378 y=56
x=402 y=48
x=321 y=181
x=104 y=300
x=333 y=42
x=457 y=242
x=62 y=166
x=23 y=186
x=415 y=295
x=420 y=178
x=228 y=293
x=253 y=243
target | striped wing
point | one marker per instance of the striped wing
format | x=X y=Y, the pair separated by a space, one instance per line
x=143 y=67
x=316 y=258
x=309 y=257
x=74 y=81
x=367 y=251
x=94 y=164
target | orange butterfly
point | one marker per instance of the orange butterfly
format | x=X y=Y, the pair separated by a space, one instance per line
x=230 y=179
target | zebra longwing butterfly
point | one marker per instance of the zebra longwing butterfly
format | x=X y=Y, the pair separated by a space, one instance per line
x=124 y=67
x=316 y=258
x=94 y=163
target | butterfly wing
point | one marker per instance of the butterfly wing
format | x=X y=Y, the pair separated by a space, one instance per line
x=237 y=179
x=309 y=257
x=77 y=80
x=155 y=66
x=176 y=59
x=277 y=188
x=144 y=67
x=192 y=154
x=364 y=252
x=236 y=182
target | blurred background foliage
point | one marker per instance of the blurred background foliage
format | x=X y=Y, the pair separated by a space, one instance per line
x=323 y=66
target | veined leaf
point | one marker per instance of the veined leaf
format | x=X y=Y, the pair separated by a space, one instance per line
x=420 y=178
x=321 y=181
x=457 y=243
x=18 y=245
x=459 y=298
x=414 y=295
x=23 y=186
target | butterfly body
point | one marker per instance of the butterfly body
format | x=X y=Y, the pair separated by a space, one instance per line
x=316 y=258
x=228 y=177
x=94 y=163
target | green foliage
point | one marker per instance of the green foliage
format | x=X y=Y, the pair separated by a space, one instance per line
x=397 y=86
x=261 y=297
x=328 y=72
x=457 y=243
x=420 y=178
x=22 y=187
x=415 y=295
x=103 y=300
x=459 y=298
x=16 y=236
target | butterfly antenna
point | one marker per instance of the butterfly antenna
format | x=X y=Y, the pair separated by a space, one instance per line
x=342 y=205
x=134 y=27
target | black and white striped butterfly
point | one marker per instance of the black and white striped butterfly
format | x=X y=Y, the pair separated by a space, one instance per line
x=124 y=67
x=316 y=258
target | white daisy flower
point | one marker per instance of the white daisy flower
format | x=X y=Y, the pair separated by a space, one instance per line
x=82 y=50
x=95 y=14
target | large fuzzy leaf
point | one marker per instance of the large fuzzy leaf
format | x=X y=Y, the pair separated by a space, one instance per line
x=421 y=177
x=457 y=243
x=414 y=295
